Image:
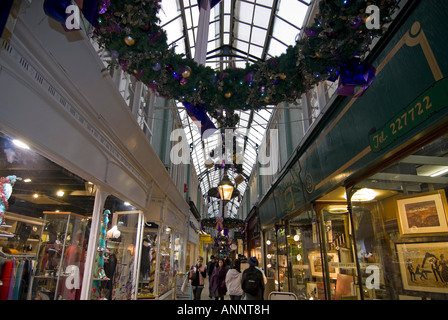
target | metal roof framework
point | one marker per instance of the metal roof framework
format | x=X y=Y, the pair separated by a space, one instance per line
x=241 y=32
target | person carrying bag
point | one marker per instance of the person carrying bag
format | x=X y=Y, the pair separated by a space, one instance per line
x=197 y=275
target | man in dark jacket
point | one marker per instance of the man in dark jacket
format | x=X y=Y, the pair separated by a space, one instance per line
x=252 y=281
x=210 y=267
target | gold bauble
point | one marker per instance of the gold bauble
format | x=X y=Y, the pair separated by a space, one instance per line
x=187 y=72
x=228 y=95
x=129 y=40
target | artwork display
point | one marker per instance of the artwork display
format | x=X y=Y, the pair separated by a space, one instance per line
x=422 y=214
x=316 y=264
x=424 y=266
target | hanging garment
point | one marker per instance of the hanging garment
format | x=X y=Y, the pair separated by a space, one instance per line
x=6 y=279
x=13 y=279
x=18 y=281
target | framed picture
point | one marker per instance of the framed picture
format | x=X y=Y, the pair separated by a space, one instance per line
x=423 y=214
x=317 y=267
x=424 y=266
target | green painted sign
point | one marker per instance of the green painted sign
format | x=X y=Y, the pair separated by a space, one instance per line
x=425 y=106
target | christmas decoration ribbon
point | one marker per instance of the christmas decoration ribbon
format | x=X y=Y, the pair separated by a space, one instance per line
x=219 y=223
x=198 y=114
x=212 y=3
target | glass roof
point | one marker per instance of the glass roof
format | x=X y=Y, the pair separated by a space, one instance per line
x=241 y=31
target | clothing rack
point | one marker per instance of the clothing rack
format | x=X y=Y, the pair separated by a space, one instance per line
x=17 y=256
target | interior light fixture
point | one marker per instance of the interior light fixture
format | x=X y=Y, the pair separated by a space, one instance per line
x=35 y=196
x=60 y=193
x=27 y=180
x=20 y=144
x=364 y=194
x=439 y=173
x=225 y=188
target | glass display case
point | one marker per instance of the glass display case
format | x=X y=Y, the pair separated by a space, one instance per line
x=118 y=256
x=146 y=282
x=61 y=257
x=165 y=264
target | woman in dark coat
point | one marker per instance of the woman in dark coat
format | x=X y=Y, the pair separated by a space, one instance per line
x=218 y=280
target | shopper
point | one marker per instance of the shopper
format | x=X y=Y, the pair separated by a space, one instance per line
x=197 y=275
x=252 y=281
x=233 y=281
x=210 y=267
x=218 y=280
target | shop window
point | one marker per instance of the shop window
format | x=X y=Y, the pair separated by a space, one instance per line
x=44 y=225
x=402 y=234
x=271 y=257
x=148 y=260
x=165 y=264
x=338 y=263
x=117 y=259
x=306 y=276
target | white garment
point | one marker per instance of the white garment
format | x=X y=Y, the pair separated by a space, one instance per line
x=233 y=283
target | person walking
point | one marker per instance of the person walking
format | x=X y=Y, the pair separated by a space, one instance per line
x=210 y=267
x=218 y=280
x=233 y=281
x=252 y=281
x=197 y=275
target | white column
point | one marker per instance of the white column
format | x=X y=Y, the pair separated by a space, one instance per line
x=200 y=52
x=100 y=198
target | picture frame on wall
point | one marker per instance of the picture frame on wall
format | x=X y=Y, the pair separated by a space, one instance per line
x=424 y=266
x=423 y=214
x=317 y=267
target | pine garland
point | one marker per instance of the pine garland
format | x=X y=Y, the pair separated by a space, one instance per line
x=130 y=30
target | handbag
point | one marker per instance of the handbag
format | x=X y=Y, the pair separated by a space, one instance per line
x=192 y=275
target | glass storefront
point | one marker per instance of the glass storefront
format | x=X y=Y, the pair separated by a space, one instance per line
x=45 y=225
x=306 y=276
x=118 y=254
x=402 y=233
x=389 y=242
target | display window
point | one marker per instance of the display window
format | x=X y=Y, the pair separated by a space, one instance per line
x=45 y=222
x=402 y=230
x=166 y=271
x=146 y=289
x=118 y=255
x=271 y=255
x=304 y=254
x=337 y=262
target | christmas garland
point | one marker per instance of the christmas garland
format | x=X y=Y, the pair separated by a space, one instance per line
x=227 y=223
x=130 y=30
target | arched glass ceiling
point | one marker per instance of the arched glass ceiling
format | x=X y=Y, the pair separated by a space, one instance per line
x=241 y=31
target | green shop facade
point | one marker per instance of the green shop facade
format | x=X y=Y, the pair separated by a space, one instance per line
x=360 y=210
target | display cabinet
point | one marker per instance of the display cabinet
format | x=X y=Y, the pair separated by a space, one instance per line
x=20 y=234
x=118 y=256
x=60 y=257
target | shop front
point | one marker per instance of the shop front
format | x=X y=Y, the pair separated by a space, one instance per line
x=78 y=221
x=368 y=220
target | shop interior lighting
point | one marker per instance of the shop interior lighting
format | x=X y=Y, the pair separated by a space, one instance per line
x=20 y=144
x=60 y=193
x=27 y=180
x=364 y=194
x=439 y=173
x=35 y=196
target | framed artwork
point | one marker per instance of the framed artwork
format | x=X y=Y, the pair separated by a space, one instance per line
x=317 y=267
x=423 y=214
x=424 y=266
